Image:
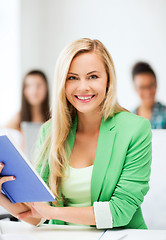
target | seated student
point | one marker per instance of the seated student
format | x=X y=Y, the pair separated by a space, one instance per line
x=94 y=155
x=145 y=84
x=35 y=101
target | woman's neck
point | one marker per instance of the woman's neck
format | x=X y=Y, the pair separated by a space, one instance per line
x=146 y=108
x=89 y=123
x=36 y=114
x=145 y=111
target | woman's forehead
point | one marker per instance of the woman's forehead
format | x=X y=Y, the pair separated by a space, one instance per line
x=87 y=61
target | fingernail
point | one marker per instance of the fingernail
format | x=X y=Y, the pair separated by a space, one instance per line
x=13 y=177
x=1 y=164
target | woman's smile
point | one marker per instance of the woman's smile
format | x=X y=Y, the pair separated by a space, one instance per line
x=84 y=98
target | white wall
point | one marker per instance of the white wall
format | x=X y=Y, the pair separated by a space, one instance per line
x=131 y=30
x=9 y=59
x=34 y=42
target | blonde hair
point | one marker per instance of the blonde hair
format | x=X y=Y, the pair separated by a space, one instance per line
x=63 y=113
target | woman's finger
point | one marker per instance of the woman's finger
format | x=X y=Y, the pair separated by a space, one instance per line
x=6 y=179
x=29 y=204
x=24 y=215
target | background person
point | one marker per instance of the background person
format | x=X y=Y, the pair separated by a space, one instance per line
x=94 y=155
x=35 y=100
x=145 y=84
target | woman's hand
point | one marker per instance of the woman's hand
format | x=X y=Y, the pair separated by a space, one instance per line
x=17 y=208
x=37 y=210
x=6 y=178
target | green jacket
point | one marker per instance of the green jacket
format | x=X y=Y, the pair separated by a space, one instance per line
x=121 y=168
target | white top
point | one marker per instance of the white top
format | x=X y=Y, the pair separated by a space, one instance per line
x=76 y=186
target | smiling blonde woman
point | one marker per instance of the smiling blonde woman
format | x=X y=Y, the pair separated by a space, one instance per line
x=94 y=155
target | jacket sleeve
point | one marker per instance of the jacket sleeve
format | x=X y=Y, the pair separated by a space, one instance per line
x=133 y=183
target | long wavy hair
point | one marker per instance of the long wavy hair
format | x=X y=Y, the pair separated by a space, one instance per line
x=53 y=150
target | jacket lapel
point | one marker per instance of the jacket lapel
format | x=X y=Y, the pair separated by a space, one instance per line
x=103 y=155
x=71 y=138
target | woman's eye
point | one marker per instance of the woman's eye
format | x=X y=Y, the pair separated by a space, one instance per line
x=93 y=77
x=72 y=78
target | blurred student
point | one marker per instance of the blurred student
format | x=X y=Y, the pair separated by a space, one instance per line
x=35 y=101
x=145 y=84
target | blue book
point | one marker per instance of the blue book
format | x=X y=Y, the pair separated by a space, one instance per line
x=28 y=185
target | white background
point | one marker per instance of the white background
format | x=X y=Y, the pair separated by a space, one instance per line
x=35 y=31
x=9 y=59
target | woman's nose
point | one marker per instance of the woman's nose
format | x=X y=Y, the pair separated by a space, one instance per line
x=83 y=85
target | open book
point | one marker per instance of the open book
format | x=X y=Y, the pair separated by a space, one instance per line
x=28 y=185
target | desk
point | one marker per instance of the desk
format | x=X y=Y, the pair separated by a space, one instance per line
x=58 y=232
x=50 y=232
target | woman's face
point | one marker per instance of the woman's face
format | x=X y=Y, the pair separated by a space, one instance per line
x=145 y=85
x=86 y=82
x=35 y=89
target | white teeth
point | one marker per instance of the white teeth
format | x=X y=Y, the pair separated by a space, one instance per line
x=84 y=98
